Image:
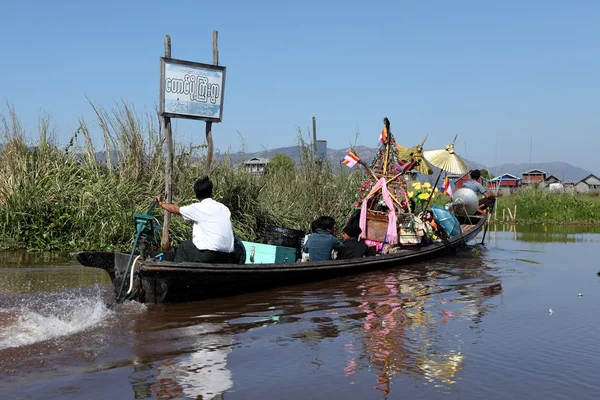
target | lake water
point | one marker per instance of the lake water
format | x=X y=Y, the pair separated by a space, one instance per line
x=476 y=325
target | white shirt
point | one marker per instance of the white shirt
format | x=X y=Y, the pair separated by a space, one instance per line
x=212 y=225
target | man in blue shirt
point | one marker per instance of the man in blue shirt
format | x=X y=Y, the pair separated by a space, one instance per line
x=321 y=242
x=488 y=200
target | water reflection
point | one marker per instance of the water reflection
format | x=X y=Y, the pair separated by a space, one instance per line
x=391 y=326
x=177 y=356
x=201 y=374
x=23 y=272
x=544 y=233
x=24 y=259
x=403 y=318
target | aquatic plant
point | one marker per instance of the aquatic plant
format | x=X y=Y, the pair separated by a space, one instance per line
x=538 y=205
x=79 y=196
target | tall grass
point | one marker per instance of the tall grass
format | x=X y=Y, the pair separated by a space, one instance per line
x=538 y=205
x=82 y=197
x=79 y=196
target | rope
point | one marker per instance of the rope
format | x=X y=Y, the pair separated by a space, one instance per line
x=131 y=275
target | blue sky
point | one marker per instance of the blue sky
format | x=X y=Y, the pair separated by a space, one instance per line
x=499 y=74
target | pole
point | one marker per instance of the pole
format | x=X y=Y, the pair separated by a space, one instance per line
x=165 y=245
x=314 y=123
x=432 y=191
x=209 y=138
x=487 y=224
x=387 y=146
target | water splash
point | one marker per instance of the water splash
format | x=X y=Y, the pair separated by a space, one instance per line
x=50 y=317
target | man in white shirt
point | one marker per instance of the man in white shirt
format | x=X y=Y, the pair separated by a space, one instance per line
x=212 y=233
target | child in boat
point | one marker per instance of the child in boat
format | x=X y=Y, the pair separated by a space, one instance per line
x=321 y=243
x=353 y=247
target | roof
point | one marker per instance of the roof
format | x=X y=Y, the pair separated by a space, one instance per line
x=502 y=177
x=533 y=172
x=551 y=177
x=588 y=177
x=256 y=160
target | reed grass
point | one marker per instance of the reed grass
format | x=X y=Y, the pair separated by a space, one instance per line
x=538 y=205
x=77 y=196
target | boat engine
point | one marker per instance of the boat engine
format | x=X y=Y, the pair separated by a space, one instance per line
x=464 y=202
x=145 y=229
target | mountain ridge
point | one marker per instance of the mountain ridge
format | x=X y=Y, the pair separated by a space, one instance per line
x=560 y=169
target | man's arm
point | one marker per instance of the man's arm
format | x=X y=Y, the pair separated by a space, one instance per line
x=170 y=207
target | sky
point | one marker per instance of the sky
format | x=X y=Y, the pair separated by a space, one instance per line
x=518 y=81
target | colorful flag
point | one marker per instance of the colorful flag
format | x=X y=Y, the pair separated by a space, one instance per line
x=383 y=137
x=350 y=159
x=406 y=166
x=446 y=186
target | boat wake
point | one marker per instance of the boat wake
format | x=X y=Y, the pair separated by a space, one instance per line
x=50 y=316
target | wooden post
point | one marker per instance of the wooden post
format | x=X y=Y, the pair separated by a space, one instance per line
x=165 y=245
x=314 y=122
x=209 y=138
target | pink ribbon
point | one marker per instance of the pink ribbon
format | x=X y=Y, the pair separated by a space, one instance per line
x=392 y=230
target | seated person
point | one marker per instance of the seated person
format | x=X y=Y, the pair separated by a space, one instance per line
x=212 y=233
x=321 y=243
x=488 y=200
x=353 y=247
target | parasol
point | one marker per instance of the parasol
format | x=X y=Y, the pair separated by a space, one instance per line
x=415 y=154
x=446 y=159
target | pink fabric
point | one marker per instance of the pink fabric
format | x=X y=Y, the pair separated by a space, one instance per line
x=378 y=245
x=392 y=231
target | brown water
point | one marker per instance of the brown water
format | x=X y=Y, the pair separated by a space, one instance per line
x=472 y=326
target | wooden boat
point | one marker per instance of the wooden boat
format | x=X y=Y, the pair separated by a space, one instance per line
x=160 y=281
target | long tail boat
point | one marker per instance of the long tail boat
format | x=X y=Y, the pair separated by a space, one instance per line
x=387 y=223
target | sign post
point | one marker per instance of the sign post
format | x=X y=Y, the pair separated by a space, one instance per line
x=189 y=90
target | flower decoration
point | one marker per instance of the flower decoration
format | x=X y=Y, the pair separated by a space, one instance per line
x=377 y=165
x=420 y=194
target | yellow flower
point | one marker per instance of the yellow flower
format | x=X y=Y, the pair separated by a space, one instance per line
x=429 y=190
x=411 y=194
x=426 y=185
x=416 y=186
x=423 y=196
x=436 y=190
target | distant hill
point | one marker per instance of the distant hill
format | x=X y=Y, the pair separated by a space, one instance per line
x=559 y=169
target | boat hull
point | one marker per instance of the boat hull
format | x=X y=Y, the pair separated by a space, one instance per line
x=156 y=281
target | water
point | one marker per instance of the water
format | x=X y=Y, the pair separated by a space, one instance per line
x=471 y=326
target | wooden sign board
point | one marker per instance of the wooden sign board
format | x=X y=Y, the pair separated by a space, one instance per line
x=191 y=90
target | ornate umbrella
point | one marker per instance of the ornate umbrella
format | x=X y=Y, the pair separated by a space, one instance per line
x=446 y=159
x=415 y=155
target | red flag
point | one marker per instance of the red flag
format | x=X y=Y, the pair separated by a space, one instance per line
x=446 y=186
x=350 y=159
x=383 y=137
